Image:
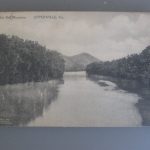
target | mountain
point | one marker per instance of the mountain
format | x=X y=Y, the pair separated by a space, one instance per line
x=79 y=62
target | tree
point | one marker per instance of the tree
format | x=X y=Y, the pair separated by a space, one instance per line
x=135 y=66
x=25 y=61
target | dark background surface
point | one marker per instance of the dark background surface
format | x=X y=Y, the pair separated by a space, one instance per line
x=75 y=138
x=81 y=5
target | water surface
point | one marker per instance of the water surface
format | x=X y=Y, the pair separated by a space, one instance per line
x=76 y=101
x=82 y=102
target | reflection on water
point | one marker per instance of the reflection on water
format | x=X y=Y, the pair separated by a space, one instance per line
x=21 y=103
x=144 y=92
x=82 y=102
x=142 y=89
x=78 y=101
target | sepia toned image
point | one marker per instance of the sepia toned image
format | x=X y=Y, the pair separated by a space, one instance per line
x=74 y=69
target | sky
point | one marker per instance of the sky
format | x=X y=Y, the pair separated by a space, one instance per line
x=105 y=35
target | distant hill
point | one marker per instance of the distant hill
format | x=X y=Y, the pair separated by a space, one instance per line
x=79 y=62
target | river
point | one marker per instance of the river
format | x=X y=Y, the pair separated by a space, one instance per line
x=72 y=102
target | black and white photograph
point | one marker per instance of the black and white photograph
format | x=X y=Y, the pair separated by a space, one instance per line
x=74 y=69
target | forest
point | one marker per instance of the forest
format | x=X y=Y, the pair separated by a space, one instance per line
x=26 y=61
x=135 y=66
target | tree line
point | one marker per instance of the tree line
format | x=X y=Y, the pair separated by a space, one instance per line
x=135 y=66
x=25 y=61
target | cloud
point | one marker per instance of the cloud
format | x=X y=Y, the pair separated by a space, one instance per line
x=105 y=35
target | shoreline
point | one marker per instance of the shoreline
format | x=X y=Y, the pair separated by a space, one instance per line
x=132 y=86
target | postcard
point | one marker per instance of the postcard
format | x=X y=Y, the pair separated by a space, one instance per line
x=74 y=69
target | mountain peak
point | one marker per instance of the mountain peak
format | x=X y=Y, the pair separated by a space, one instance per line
x=79 y=62
x=83 y=54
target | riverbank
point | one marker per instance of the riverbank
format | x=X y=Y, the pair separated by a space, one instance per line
x=132 y=86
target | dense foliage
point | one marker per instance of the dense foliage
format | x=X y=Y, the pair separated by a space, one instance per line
x=25 y=61
x=136 y=66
